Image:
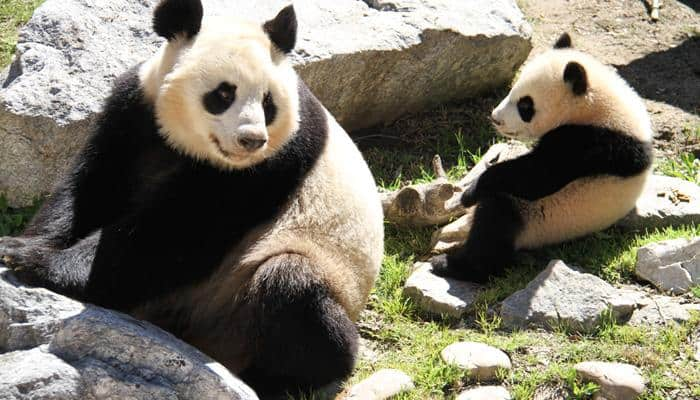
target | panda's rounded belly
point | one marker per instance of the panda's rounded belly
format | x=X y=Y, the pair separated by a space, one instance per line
x=582 y=207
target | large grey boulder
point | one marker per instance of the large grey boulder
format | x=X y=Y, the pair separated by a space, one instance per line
x=561 y=296
x=368 y=61
x=79 y=351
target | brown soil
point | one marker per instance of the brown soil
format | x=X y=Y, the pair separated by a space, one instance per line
x=661 y=59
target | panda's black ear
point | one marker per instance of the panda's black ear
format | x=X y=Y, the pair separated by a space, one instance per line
x=564 y=41
x=282 y=29
x=178 y=17
x=575 y=75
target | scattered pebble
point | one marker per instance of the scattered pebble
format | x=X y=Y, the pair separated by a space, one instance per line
x=671 y=265
x=485 y=393
x=480 y=360
x=381 y=385
x=437 y=295
x=560 y=296
x=617 y=381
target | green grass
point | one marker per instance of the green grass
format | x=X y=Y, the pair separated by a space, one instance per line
x=686 y=166
x=12 y=220
x=13 y=13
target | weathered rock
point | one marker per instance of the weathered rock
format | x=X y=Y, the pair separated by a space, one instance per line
x=480 y=360
x=381 y=385
x=560 y=295
x=617 y=381
x=355 y=57
x=665 y=201
x=657 y=309
x=438 y=202
x=38 y=374
x=30 y=317
x=671 y=265
x=86 y=352
x=485 y=393
x=437 y=295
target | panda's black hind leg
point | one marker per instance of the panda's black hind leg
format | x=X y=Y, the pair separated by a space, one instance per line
x=303 y=339
x=490 y=247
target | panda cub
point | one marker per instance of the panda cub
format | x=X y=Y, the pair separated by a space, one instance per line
x=218 y=199
x=589 y=165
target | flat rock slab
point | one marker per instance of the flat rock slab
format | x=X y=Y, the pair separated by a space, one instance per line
x=481 y=361
x=561 y=296
x=672 y=265
x=79 y=351
x=437 y=295
x=617 y=381
x=381 y=385
x=665 y=201
x=485 y=393
x=355 y=55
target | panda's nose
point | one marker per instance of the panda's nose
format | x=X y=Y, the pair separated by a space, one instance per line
x=252 y=142
x=495 y=120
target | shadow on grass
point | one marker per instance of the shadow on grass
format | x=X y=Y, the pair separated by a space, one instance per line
x=400 y=153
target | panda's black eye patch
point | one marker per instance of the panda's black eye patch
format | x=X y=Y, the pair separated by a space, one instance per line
x=526 y=108
x=220 y=99
x=270 y=108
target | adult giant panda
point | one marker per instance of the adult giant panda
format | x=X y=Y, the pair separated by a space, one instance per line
x=218 y=199
x=591 y=160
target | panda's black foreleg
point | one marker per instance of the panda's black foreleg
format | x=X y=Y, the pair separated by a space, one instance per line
x=490 y=246
x=302 y=337
x=64 y=271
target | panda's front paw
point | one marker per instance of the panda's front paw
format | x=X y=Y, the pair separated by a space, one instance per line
x=470 y=196
x=29 y=262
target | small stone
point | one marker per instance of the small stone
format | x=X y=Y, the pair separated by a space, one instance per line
x=671 y=265
x=480 y=360
x=617 y=381
x=485 y=393
x=437 y=295
x=560 y=295
x=381 y=385
x=665 y=201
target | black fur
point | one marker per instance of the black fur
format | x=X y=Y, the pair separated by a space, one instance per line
x=304 y=337
x=157 y=220
x=563 y=155
x=282 y=29
x=270 y=109
x=175 y=17
x=564 y=41
x=575 y=75
x=220 y=99
x=526 y=108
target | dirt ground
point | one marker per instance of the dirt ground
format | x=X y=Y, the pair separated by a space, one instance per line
x=661 y=59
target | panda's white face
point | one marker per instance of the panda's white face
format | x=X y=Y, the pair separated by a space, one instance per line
x=565 y=86
x=539 y=101
x=230 y=98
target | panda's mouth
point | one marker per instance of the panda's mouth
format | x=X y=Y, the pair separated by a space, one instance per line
x=217 y=143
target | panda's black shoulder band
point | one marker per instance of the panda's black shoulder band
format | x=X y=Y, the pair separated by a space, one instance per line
x=563 y=155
